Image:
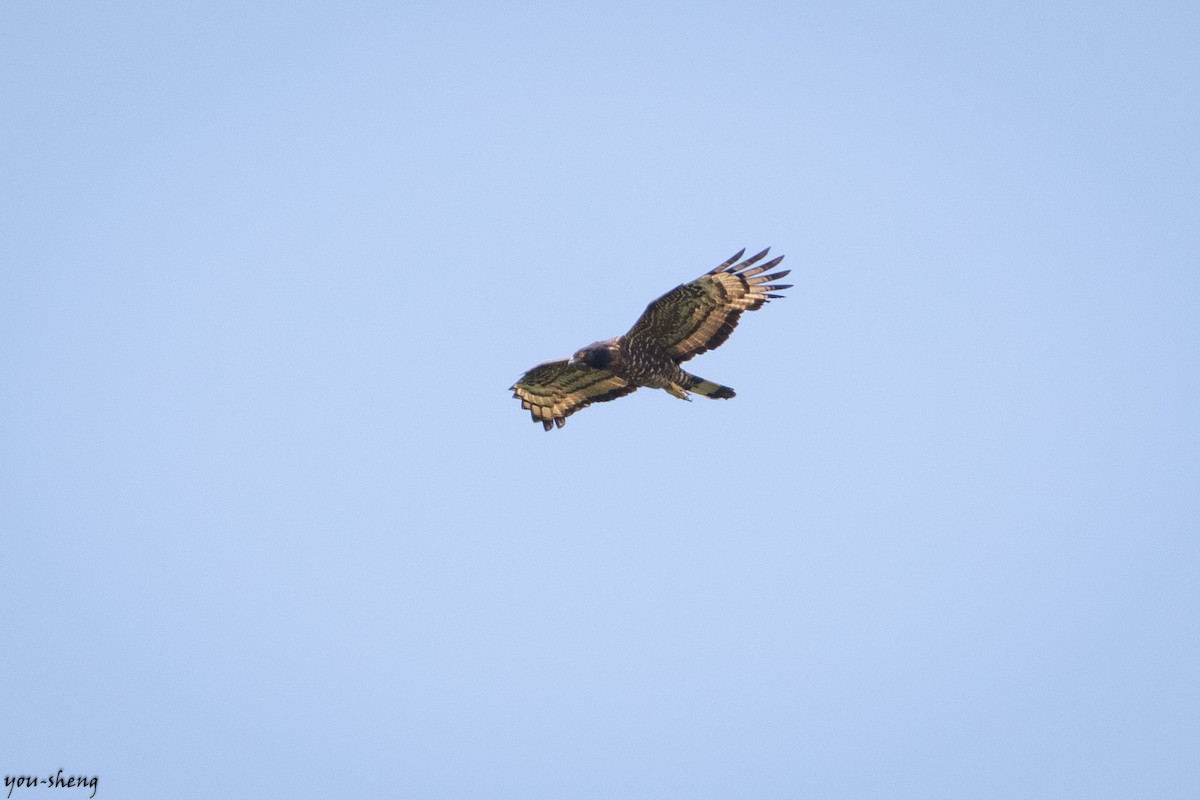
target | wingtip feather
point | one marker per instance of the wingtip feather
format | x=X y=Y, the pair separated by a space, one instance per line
x=727 y=262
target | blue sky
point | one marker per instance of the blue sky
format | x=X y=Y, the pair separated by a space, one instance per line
x=274 y=526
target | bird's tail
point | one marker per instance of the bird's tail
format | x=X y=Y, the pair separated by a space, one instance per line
x=694 y=383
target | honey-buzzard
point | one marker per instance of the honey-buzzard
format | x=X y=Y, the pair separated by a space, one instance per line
x=685 y=322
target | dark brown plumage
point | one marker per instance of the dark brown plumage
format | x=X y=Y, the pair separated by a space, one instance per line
x=685 y=322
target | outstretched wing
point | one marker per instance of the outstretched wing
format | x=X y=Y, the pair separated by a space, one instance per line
x=557 y=389
x=699 y=316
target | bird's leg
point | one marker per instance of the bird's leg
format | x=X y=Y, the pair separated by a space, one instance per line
x=677 y=390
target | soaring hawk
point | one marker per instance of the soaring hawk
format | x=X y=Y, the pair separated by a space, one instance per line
x=685 y=322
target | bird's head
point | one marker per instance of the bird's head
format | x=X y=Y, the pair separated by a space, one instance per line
x=599 y=355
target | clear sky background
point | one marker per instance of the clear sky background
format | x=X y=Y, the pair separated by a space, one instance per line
x=274 y=527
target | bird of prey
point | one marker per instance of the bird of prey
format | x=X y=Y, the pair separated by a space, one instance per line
x=685 y=322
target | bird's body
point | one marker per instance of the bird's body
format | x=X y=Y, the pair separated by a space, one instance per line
x=686 y=321
x=650 y=366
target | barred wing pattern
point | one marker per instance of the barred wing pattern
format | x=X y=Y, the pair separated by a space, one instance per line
x=555 y=390
x=699 y=316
